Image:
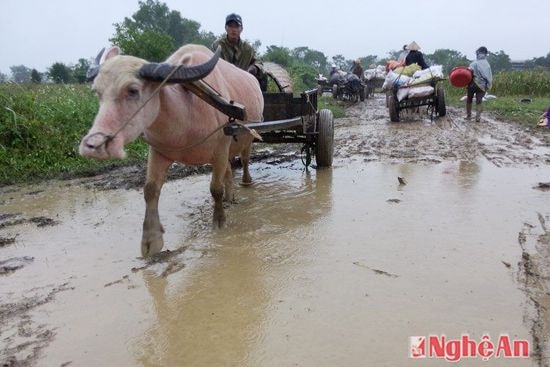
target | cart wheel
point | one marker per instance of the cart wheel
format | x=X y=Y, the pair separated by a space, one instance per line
x=440 y=95
x=324 y=146
x=393 y=108
x=334 y=91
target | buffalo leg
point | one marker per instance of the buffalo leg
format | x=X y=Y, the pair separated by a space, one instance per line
x=219 y=172
x=157 y=167
x=245 y=159
x=228 y=184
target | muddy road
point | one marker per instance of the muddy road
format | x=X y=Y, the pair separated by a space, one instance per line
x=336 y=267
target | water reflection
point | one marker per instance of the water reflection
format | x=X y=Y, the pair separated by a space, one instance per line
x=463 y=174
x=212 y=313
x=209 y=319
x=468 y=173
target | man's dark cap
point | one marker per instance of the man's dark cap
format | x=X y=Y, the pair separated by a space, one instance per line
x=233 y=18
x=482 y=50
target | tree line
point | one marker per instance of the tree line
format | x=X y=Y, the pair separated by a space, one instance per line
x=155 y=31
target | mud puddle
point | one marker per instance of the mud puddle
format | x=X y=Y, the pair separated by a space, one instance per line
x=334 y=267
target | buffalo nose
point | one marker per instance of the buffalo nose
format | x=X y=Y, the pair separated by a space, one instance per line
x=95 y=140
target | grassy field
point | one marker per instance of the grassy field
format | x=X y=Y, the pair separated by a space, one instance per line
x=522 y=96
x=337 y=107
x=40 y=129
x=41 y=125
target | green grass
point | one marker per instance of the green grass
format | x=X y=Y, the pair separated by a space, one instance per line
x=40 y=129
x=534 y=83
x=507 y=107
x=41 y=125
x=337 y=107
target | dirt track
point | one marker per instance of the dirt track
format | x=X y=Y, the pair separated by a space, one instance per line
x=364 y=136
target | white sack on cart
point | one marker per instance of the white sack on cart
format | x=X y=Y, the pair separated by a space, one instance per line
x=402 y=93
x=377 y=73
x=394 y=79
x=421 y=91
x=435 y=70
x=370 y=74
x=422 y=79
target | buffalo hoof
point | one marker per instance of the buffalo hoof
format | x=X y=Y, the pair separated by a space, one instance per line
x=247 y=179
x=151 y=244
x=219 y=220
x=228 y=198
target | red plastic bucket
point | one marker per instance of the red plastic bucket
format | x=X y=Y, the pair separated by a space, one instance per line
x=460 y=76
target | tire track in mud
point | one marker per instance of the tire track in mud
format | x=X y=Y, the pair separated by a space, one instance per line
x=367 y=132
x=23 y=339
x=533 y=275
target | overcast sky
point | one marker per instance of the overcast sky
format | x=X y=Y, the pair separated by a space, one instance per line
x=38 y=33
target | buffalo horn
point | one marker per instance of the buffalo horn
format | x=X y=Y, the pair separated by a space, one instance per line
x=93 y=69
x=159 y=72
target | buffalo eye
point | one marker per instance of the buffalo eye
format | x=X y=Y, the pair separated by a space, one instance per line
x=133 y=92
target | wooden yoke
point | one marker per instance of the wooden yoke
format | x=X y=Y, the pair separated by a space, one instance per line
x=208 y=94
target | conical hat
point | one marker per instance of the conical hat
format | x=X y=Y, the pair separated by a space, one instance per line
x=413 y=46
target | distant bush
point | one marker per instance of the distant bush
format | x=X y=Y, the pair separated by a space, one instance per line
x=303 y=77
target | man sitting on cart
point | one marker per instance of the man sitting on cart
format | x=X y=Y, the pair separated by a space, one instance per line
x=239 y=52
x=357 y=69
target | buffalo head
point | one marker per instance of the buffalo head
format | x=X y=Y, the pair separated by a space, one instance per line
x=128 y=91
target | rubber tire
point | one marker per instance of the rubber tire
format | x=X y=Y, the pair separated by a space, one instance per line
x=392 y=107
x=334 y=91
x=324 y=146
x=441 y=108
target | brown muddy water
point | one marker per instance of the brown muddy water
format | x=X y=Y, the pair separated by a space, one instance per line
x=336 y=267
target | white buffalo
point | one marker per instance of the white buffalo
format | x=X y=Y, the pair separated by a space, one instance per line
x=176 y=123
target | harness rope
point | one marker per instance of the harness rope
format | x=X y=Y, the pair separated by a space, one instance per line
x=108 y=138
x=230 y=121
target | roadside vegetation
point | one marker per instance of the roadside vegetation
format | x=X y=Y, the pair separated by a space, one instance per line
x=521 y=96
x=43 y=115
x=40 y=129
x=41 y=124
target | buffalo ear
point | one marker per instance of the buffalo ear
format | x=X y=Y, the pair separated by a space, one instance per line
x=110 y=52
x=101 y=57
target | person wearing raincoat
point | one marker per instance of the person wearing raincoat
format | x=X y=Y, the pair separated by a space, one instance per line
x=482 y=81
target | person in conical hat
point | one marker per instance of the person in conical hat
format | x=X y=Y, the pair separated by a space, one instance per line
x=415 y=56
x=413 y=46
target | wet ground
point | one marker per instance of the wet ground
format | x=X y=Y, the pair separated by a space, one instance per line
x=335 y=267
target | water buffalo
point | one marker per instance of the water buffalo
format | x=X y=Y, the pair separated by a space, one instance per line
x=175 y=122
